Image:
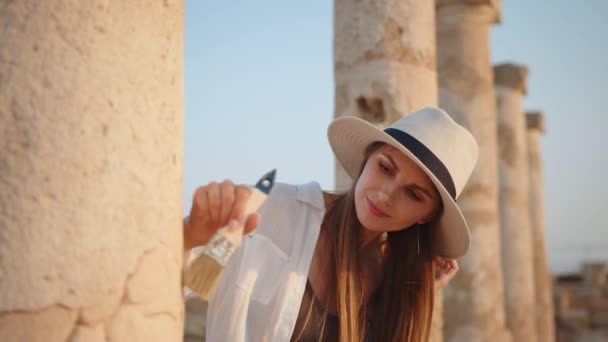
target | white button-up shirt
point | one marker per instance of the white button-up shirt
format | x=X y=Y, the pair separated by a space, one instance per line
x=259 y=293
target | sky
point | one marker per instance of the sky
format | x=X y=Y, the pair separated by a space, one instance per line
x=259 y=96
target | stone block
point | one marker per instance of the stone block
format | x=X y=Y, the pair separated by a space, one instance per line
x=599 y=304
x=583 y=296
x=535 y=120
x=564 y=335
x=563 y=300
x=595 y=273
x=599 y=318
x=593 y=335
x=511 y=75
x=574 y=319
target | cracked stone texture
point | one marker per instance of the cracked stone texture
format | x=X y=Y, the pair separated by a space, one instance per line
x=104 y=307
x=91 y=133
x=131 y=324
x=53 y=323
x=384 y=61
x=474 y=300
x=88 y=334
x=543 y=292
x=516 y=234
x=156 y=267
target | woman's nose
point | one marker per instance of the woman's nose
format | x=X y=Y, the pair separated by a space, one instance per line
x=381 y=197
x=390 y=190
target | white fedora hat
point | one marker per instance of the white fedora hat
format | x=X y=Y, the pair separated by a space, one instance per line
x=446 y=151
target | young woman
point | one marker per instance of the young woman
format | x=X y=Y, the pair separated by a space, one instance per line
x=361 y=265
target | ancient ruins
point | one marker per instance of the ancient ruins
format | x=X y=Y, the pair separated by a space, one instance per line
x=92 y=102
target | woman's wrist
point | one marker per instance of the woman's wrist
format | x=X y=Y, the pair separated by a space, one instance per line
x=186 y=229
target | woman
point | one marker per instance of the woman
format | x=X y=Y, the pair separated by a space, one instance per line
x=356 y=266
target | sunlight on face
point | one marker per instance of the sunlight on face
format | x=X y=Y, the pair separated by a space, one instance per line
x=393 y=192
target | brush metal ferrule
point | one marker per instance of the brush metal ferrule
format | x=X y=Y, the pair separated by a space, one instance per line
x=219 y=248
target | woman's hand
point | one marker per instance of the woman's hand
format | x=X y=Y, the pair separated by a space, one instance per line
x=214 y=206
x=445 y=270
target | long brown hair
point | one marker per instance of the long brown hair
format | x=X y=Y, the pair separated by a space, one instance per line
x=405 y=296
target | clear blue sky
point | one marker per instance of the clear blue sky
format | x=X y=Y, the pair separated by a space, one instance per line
x=259 y=95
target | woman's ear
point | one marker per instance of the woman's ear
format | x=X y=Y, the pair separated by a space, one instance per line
x=426 y=219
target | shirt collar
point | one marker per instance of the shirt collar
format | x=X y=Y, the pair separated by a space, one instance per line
x=312 y=194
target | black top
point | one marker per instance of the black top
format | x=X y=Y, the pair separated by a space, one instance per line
x=311 y=332
x=312 y=313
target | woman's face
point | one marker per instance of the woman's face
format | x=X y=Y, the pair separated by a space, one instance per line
x=393 y=192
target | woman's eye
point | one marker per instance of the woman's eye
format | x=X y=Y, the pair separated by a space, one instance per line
x=383 y=167
x=413 y=195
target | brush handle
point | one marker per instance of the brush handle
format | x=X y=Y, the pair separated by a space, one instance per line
x=224 y=242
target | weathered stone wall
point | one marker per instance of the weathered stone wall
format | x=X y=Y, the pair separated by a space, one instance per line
x=384 y=61
x=91 y=102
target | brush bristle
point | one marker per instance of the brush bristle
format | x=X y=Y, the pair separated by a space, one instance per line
x=202 y=275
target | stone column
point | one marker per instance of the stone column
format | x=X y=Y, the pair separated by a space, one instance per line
x=474 y=301
x=91 y=116
x=595 y=273
x=510 y=82
x=385 y=67
x=384 y=61
x=545 y=321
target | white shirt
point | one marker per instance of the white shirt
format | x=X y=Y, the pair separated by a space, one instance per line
x=258 y=295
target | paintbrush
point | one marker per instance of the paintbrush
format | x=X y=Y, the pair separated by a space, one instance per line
x=202 y=274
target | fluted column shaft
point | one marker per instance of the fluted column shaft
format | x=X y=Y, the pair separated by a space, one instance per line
x=545 y=311
x=516 y=236
x=474 y=301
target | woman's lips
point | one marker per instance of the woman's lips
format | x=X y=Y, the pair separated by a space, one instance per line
x=374 y=209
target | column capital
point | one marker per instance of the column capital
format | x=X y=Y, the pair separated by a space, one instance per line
x=511 y=75
x=535 y=120
x=495 y=5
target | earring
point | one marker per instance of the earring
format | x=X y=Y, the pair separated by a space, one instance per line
x=418 y=233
